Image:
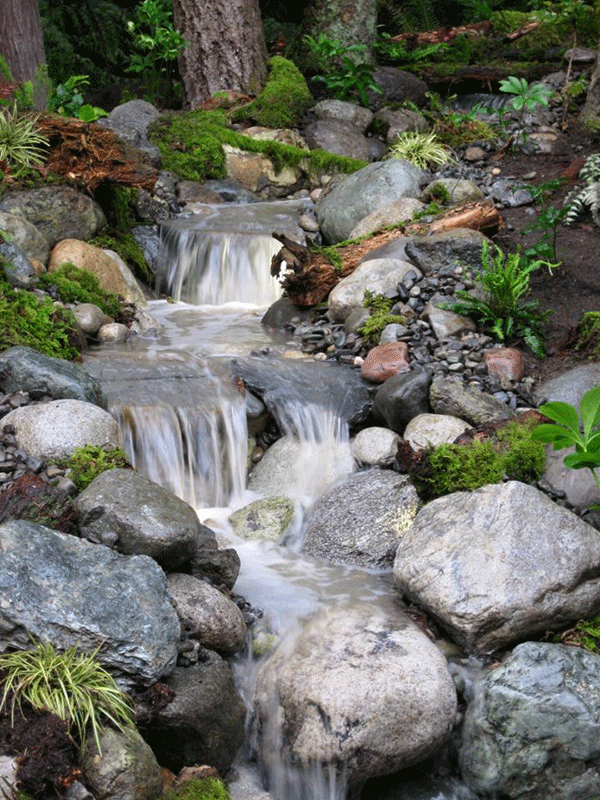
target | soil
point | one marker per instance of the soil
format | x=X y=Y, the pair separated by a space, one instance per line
x=573 y=288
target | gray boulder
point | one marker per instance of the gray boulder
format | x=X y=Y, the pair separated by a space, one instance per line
x=402 y=398
x=26 y=242
x=147 y=519
x=433 y=429
x=361 y=688
x=398 y=121
x=204 y=723
x=451 y=396
x=64 y=590
x=444 y=252
x=53 y=431
x=361 y=520
x=398 y=86
x=460 y=190
x=129 y=121
x=357 y=195
x=533 y=728
x=392 y=214
x=336 y=136
x=570 y=386
x=267 y=518
x=372 y=445
x=26 y=369
x=500 y=564
x=342 y=111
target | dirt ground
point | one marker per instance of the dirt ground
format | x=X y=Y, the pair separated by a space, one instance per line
x=575 y=287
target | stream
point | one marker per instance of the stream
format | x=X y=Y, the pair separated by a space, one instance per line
x=184 y=426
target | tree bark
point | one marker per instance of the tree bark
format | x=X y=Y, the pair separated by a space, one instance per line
x=226 y=49
x=347 y=21
x=22 y=42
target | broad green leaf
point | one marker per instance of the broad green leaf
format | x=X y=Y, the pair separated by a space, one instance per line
x=556 y=434
x=563 y=413
x=593 y=444
x=582 y=460
x=590 y=410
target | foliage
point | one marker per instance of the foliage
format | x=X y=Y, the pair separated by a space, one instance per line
x=344 y=74
x=503 y=309
x=547 y=220
x=127 y=247
x=158 y=44
x=74 y=285
x=455 y=128
x=585 y=634
x=88 y=462
x=22 y=93
x=525 y=95
x=21 y=144
x=588 y=336
x=380 y=307
x=71 y=685
x=199 y=789
x=453 y=467
x=284 y=98
x=396 y=51
x=579 y=200
x=25 y=319
x=571 y=429
x=67 y=100
x=421 y=149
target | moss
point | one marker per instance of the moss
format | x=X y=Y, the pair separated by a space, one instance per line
x=127 y=247
x=588 y=335
x=380 y=316
x=26 y=319
x=454 y=131
x=88 y=462
x=74 y=285
x=284 y=99
x=199 y=789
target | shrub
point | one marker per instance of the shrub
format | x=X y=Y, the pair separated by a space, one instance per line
x=88 y=462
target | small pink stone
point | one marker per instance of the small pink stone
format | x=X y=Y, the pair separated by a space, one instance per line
x=384 y=361
x=505 y=363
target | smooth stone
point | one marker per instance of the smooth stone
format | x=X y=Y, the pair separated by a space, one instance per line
x=268 y=518
x=432 y=430
x=372 y=445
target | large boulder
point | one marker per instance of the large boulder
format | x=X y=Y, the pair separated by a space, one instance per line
x=500 y=564
x=532 y=730
x=362 y=689
x=26 y=369
x=147 y=519
x=130 y=121
x=361 y=520
x=340 y=110
x=397 y=87
x=445 y=252
x=64 y=590
x=402 y=398
x=357 y=195
x=53 y=431
x=452 y=396
x=339 y=137
x=25 y=236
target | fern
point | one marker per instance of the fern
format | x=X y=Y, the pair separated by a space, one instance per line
x=588 y=198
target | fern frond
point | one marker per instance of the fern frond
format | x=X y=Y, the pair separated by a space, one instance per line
x=586 y=199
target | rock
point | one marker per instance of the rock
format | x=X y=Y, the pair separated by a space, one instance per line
x=531 y=730
x=372 y=445
x=113 y=275
x=129 y=121
x=23 y=238
x=113 y=333
x=361 y=520
x=398 y=86
x=505 y=363
x=570 y=386
x=578 y=485
x=450 y=396
x=90 y=318
x=207 y=615
x=504 y=191
x=220 y=566
x=401 y=398
x=64 y=590
x=195 y=192
x=57 y=211
x=26 y=369
x=398 y=121
x=204 y=723
x=391 y=214
x=340 y=138
x=474 y=153
x=431 y=430
x=268 y=518
x=148 y=519
x=282 y=312
x=378 y=275
x=357 y=195
x=362 y=689
x=444 y=252
x=490 y=567
x=53 y=431
x=446 y=324
x=257 y=173
x=126 y=768
x=149 y=240
x=8 y=777
x=384 y=361
x=460 y=190
x=341 y=111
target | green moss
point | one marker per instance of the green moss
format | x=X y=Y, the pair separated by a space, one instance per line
x=454 y=130
x=88 y=462
x=380 y=316
x=127 y=247
x=199 y=789
x=455 y=468
x=588 y=337
x=284 y=99
x=26 y=319
x=75 y=285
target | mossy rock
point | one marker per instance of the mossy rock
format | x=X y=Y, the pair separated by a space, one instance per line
x=199 y=789
x=284 y=99
x=88 y=462
x=70 y=284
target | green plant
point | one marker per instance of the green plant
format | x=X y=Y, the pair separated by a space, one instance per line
x=23 y=93
x=158 y=44
x=380 y=307
x=199 y=789
x=21 y=144
x=88 y=462
x=571 y=429
x=588 y=334
x=284 y=98
x=71 y=685
x=344 y=74
x=579 y=200
x=67 y=100
x=503 y=310
x=525 y=95
x=421 y=149
x=74 y=285
x=548 y=219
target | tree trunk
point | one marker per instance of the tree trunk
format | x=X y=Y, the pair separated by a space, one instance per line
x=226 y=49
x=590 y=113
x=22 y=43
x=347 y=21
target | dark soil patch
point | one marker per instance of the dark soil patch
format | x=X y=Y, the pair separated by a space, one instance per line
x=574 y=288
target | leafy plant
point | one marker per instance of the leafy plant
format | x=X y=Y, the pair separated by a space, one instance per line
x=344 y=77
x=421 y=149
x=547 y=220
x=88 y=462
x=580 y=200
x=503 y=310
x=568 y=430
x=158 y=44
x=71 y=685
x=525 y=95
x=21 y=144
x=67 y=100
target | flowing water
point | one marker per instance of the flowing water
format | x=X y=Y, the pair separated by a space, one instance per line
x=183 y=421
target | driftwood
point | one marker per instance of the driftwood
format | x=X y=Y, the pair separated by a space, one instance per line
x=310 y=275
